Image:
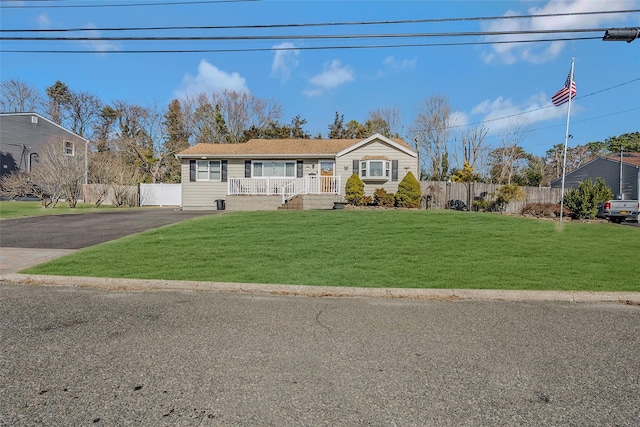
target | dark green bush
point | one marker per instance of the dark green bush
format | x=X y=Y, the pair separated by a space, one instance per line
x=408 y=195
x=583 y=201
x=382 y=198
x=354 y=190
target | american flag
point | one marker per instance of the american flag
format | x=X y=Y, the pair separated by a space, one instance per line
x=562 y=95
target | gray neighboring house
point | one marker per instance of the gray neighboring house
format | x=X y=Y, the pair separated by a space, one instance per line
x=22 y=135
x=609 y=169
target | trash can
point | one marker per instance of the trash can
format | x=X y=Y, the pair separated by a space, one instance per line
x=220 y=204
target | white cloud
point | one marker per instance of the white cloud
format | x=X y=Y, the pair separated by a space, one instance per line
x=544 y=52
x=284 y=60
x=393 y=65
x=500 y=114
x=458 y=119
x=211 y=79
x=334 y=75
x=98 y=45
x=43 y=21
x=399 y=65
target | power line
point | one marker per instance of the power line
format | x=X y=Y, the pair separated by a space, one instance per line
x=547 y=106
x=324 y=24
x=80 y=6
x=309 y=37
x=378 y=46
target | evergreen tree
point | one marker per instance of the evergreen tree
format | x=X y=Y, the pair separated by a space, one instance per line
x=176 y=139
x=409 y=192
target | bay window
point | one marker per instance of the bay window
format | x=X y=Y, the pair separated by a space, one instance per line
x=375 y=169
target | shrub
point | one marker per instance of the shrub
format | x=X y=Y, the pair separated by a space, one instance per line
x=408 y=195
x=506 y=194
x=354 y=190
x=499 y=200
x=583 y=201
x=481 y=205
x=382 y=198
x=16 y=184
x=543 y=210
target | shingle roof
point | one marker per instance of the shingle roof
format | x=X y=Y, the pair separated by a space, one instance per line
x=628 y=158
x=277 y=147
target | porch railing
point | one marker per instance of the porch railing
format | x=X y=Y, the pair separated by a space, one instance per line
x=258 y=186
x=311 y=184
x=287 y=187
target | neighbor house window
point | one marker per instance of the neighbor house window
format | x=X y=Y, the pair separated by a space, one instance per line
x=68 y=148
x=209 y=170
x=375 y=169
x=274 y=168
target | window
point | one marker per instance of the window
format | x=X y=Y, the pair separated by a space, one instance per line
x=375 y=169
x=68 y=148
x=274 y=168
x=209 y=170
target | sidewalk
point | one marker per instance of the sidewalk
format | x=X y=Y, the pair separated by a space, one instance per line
x=13 y=260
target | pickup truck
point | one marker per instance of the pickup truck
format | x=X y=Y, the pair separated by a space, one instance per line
x=619 y=210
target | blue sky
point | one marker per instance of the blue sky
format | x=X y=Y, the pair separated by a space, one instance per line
x=485 y=83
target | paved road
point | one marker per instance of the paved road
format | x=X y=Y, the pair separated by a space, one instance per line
x=75 y=231
x=72 y=356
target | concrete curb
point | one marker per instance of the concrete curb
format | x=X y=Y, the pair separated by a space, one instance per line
x=631 y=298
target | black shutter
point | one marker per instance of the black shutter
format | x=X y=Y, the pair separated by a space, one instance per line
x=192 y=170
x=223 y=171
x=356 y=167
x=299 y=170
x=247 y=168
x=394 y=170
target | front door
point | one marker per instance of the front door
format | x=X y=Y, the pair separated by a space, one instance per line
x=326 y=176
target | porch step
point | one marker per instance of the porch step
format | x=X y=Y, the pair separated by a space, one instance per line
x=293 y=204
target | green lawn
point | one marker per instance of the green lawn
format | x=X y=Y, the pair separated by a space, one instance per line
x=13 y=209
x=379 y=248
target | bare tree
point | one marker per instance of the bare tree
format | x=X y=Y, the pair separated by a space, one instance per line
x=392 y=119
x=510 y=157
x=431 y=131
x=83 y=111
x=112 y=178
x=58 y=175
x=139 y=138
x=16 y=96
x=228 y=115
x=16 y=184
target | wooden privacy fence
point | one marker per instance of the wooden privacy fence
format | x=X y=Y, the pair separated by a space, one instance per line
x=441 y=192
x=110 y=194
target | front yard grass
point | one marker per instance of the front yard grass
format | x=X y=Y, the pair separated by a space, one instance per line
x=379 y=248
x=17 y=209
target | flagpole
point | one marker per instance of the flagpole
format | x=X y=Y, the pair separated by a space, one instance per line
x=566 y=141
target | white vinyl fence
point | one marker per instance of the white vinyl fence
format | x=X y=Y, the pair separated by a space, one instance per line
x=160 y=194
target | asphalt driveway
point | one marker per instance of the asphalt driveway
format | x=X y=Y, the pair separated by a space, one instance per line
x=75 y=231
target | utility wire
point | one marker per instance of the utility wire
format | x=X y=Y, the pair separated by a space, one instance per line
x=544 y=108
x=308 y=37
x=378 y=46
x=324 y=24
x=80 y=6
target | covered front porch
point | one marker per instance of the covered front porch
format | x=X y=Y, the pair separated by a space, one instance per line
x=285 y=188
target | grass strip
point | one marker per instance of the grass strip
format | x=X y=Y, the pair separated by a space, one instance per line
x=18 y=209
